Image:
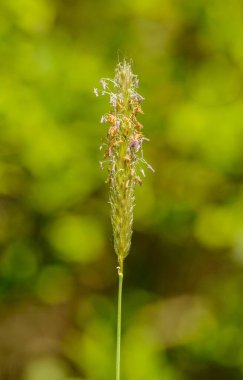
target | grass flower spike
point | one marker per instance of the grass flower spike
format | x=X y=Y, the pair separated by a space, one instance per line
x=123 y=157
x=123 y=152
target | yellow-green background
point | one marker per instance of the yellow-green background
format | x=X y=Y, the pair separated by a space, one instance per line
x=183 y=290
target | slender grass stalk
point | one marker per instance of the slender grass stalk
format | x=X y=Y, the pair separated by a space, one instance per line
x=118 y=340
x=125 y=162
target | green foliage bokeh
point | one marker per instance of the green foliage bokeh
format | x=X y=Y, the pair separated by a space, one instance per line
x=183 y=307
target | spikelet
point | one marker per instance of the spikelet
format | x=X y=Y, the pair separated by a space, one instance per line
x=123 y=152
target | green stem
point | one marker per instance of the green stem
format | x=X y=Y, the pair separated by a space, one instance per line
x=118 y=342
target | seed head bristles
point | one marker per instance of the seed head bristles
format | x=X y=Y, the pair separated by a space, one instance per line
x=124 y=154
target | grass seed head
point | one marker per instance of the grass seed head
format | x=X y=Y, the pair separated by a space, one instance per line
x=123 y=152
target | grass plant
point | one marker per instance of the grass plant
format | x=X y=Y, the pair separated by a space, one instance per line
x=123 y=157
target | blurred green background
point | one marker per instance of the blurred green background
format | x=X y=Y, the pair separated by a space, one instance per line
x=183 y=291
